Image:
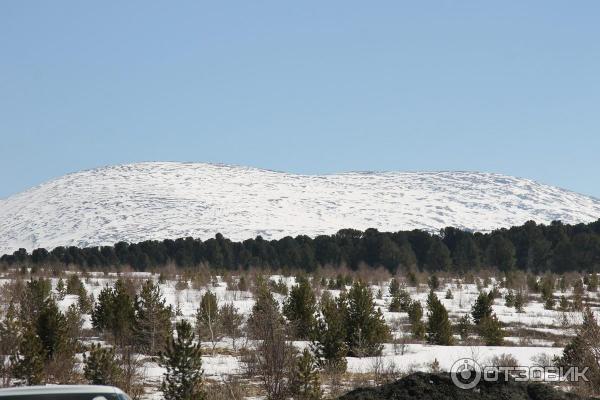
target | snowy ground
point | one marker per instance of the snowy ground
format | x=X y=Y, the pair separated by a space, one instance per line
x=530 y=334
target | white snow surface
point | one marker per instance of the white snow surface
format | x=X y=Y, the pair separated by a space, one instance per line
x=159 y=200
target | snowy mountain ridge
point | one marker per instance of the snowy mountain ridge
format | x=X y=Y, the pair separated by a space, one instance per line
x=159 y=200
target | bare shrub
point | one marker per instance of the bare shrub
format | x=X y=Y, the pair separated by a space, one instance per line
x=503 y=360
x=542 y=360
x=229 y=389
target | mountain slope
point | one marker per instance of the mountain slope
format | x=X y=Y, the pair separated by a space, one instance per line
x=167 y=200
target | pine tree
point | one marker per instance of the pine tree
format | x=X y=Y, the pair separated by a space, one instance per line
x=60 y=289
x=464 y=327
x=51 y=328
x=83 y=300
x=562 y=284
x=33 y=298
x=73 y=322
x=231 y=321
x=28 y=363
x=300 y=309
x=115 y=312
x=491 y=331
x=208 y=325
x=394 y=287
x=59 y=341
x=73 y=284
x=395 y=305
x=367 y=329
x=578 y=292
x=415 y=316
x=449 y=295
x=153 y=319
x=330 y=344
x=584 y=351
x=433 y=282
x=592 y=285
x=564 y=304
x=482 y=307
x=519 y=301
x=264 y=307
x=509 y=299
x=439 y=330
x=305 y=382
x=182 y=360
x=10 y=338
x=547 y=291
x=400 y=301
x=101 y=366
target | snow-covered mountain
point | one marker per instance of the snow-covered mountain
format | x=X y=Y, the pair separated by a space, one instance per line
x=168 y=200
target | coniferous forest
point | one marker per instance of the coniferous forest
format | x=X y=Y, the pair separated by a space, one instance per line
x=556 y=247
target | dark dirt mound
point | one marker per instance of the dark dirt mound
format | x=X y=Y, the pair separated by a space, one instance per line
x=423 y=386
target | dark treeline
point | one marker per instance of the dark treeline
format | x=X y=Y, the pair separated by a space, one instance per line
x=537 y=248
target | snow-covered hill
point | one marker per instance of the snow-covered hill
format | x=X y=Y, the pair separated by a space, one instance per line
x=168 y=200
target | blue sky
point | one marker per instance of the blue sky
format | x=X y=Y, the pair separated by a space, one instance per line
x=307 y=87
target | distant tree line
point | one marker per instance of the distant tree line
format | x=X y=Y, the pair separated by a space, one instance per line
x=556 y=247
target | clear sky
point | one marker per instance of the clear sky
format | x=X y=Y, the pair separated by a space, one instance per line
x=305 y=86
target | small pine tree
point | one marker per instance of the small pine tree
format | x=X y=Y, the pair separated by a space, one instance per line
x=464 y=327
x=242 y=285
x=182 y=360
x=153 y=319
x=582 y=351
x=231 y=321
x=482 y=307
x=412 y=278
x=439 y=330
x=547 y=291
x=114 y=312
x=578 y=292
x=330 y=343
x=449 y=295
x=208 y=325
x=592 y=284
x=519 y=301
x=73 y=284
x=491 y=331
x=300 y=309
x=10 y=338
x=28 y=363
x=564 y=304
x=305 y=383
x=101 y=366
x=562 y=284
x=400 y=301
x=73 y=322
x=433 y=282
x=265 y=306
x=60 y=289
x=415 y=316
x=394 y=287
x=509 y=299
x=367 y=330
x=84 y=301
